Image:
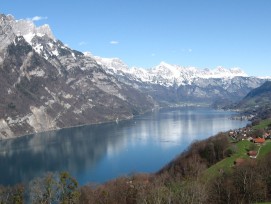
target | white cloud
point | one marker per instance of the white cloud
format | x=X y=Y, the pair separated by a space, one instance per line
x=82 y=43
x=153 y=54
x=114 y=42
x=38 y=18
x=185 y=50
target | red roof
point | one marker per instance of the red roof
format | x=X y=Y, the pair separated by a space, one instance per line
x=252 y=153
x=239 y=161
x=259 y=140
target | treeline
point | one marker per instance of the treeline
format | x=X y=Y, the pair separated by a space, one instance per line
x=52 y=188
x=247 y=183
x=181 y=181
x=178 y=182
x=199 y=156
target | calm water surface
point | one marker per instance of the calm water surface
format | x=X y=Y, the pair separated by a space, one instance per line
x=98 y=153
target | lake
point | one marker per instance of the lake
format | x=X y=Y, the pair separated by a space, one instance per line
x=97 y=153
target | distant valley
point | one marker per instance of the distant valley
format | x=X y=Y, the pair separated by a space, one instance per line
x=45 y=85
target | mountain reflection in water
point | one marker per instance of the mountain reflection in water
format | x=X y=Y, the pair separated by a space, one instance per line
x=97 y=153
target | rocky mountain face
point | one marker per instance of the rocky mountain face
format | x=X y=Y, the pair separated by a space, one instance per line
x=264 y=91
x=257 y=102
x=45 y=85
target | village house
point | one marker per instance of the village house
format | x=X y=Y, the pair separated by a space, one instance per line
x=252 y=154
x=250 y=139
x=239 y=161
x=259 y=140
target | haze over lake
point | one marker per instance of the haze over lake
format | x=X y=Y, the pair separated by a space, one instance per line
x=97 y=153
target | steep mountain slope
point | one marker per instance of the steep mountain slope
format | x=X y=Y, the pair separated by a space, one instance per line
x=257 y=101
x=264 y=91
x=45 y=85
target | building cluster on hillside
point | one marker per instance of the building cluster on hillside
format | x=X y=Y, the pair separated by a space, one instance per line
x=240 y=133
x=243 y=117
x=255 y=136
x=249 y=134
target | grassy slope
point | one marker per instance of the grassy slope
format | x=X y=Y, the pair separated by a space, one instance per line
x=263 y=124
x=227 y=163
x=264 y=203
x=266 y=148
x=241 y=152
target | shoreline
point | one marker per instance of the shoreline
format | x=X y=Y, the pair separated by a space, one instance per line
x=113 y=124
x=173 y=106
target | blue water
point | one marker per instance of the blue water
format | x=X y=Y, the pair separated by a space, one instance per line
x=97 y=153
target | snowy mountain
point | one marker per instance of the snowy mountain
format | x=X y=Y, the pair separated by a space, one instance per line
x=168 y=83
x=46 y=85
x=166 y=74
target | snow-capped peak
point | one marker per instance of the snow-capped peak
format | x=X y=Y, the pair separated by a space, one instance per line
x=45 y=30
x=167 y=70
x=27 y=28
x=164 y=64
x=167 y=74
x=237 y=71
x=115 y=64
x=221 y=72
x=164 y=73
x=88 y=54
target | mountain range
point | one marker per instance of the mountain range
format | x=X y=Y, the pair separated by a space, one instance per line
x=46 y=85
x=172 y=84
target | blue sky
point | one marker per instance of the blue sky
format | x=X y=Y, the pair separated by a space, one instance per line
x=200 y=33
